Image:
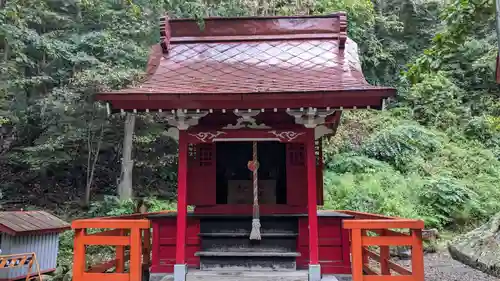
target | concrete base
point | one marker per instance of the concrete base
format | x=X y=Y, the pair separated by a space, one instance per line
x=180 y=272
x=160 y=277
x=329 y=278
x=337 y=277
x=198 y=275
x=314 y=272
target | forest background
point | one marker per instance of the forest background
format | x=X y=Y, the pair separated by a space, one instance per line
x=434 y=154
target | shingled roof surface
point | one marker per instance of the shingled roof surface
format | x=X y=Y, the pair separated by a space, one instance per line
x=21 y=222
x=254 y=55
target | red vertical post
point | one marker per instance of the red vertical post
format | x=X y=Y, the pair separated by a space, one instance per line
x=79 y=255
x=417 y=255
x=385 y=256
x=135 y=267
x=180 y=255
x=357 y=255
x=312 y=198
x=120 y=256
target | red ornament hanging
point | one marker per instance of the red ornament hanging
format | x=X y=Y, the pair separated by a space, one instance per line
x=253 y=165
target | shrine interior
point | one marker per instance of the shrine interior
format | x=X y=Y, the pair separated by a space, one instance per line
x=234 y=179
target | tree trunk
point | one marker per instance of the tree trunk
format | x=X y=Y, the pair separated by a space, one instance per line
x=91 y=163
x=125 y=186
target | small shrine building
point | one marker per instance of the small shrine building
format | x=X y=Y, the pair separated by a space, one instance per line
x=249 y=101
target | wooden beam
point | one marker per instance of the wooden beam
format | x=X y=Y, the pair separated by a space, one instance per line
x=180 y=255
x=311 y=198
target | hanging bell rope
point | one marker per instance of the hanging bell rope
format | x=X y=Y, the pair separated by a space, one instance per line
x=254 y=166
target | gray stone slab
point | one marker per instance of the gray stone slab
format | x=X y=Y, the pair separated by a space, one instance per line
x=234 y=275
x=247 y=254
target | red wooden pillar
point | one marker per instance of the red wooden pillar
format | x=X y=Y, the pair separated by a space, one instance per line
x=180 y=255
x=314 y=269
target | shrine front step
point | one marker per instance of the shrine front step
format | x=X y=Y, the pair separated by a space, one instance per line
x=233 y=275
x=243 y=225
x=226 y=244
x=249 y=261
x=273 y=243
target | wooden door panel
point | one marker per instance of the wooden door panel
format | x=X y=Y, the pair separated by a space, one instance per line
x=201 y=174
x=296 y=174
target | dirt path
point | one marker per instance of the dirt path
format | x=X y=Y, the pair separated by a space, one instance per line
x=441 y=267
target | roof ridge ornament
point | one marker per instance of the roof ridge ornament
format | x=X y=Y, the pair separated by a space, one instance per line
x=343 y=29
x=165 y=33
x=311 y=117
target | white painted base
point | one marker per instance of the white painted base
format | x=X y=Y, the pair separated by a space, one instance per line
x=180 y=272
x=314 y=272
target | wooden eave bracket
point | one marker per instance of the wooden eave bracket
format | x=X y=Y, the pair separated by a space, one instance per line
x=183 y=119
x=310 y=117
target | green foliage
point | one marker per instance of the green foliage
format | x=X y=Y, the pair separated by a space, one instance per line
x=408 y=170
x=445 y=199
x=382 y=192
x=401 y=145
x=352 y=163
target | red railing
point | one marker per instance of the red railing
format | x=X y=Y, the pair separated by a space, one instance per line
x=133 y=233
x=383 y=236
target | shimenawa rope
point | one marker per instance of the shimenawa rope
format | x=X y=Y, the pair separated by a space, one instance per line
x=255 y=234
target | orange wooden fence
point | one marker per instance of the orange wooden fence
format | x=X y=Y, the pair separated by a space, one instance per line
x=382 y=235
x=124 y=233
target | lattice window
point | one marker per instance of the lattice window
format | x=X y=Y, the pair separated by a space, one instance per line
x=192 y=151
x=318 y=146
x=205 y=154
x=296 y=154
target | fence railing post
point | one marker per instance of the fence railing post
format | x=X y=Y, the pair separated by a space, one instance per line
x=384 y=258
x=365 y=257
x=79 y=255
x=135 y=254
x=357 y=255
x=417 y=255
x=147 y=247
x=120 y=256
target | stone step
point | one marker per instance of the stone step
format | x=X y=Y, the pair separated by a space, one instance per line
x=247 y=234
x=232 y=275
x=244 y=244
x=246 y=254
x=242 y=225
x=259 y=261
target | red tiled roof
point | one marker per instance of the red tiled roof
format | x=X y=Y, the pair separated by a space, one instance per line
x=254 y=55
x=23 y=222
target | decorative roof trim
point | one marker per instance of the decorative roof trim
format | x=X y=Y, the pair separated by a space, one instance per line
x=176 y=31
x=165 y=33
x=343 y=29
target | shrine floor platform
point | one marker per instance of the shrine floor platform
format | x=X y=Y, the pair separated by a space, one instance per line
x=199 y=275
x=297 y=215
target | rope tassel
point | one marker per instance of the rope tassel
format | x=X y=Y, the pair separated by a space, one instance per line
x=254 y=166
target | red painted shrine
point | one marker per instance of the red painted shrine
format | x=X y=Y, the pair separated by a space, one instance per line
x=266 y=89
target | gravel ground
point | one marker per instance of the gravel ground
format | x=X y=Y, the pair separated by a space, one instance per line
x=441 y=267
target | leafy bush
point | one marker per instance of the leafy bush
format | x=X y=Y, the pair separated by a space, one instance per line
x=410 y=171
x=383 y=192
x=354 y=163
x=112 y=206
x=401 y=145
x=446 y=200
